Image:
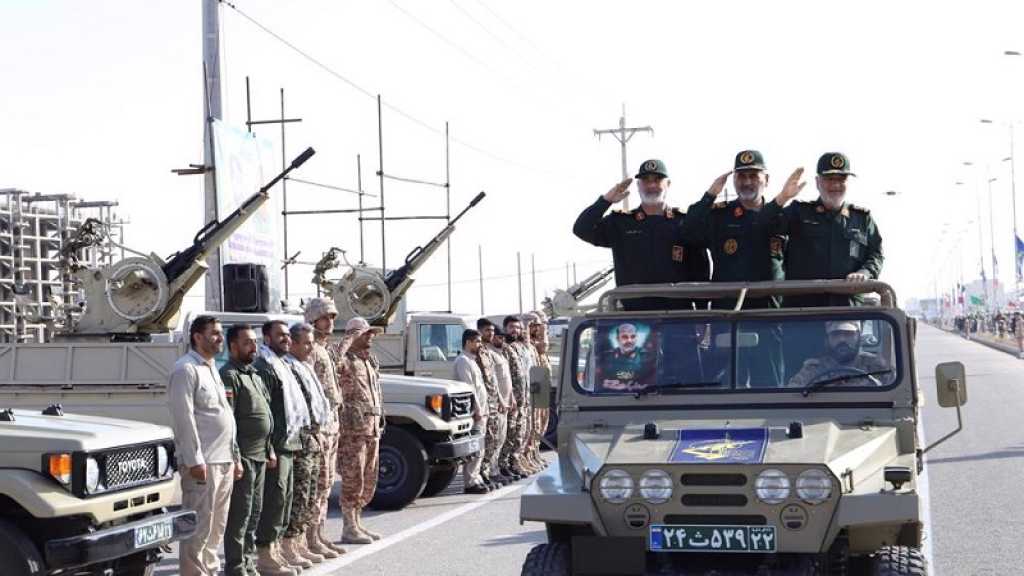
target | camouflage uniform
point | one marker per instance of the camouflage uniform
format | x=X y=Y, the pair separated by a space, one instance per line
x=495 y=435
x=305 y=469
x=362 y=424
x=325 y=368
x=815 y=368
x=514 y=443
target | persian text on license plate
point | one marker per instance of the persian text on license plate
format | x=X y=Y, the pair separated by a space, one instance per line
x=676 y=538
x=148 y=534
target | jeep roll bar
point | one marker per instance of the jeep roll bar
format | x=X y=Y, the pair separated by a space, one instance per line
x=610 y=300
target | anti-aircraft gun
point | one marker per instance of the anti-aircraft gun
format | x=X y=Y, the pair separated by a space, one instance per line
x=142 y=294
x=567 y=302
x=366 y=292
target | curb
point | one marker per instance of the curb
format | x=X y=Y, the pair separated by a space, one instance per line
x=1004 y=348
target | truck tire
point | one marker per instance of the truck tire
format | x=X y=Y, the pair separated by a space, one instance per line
x=898 y=561
x=20 y=556
x=136 y=565
x=439 y=479
x=547 y=560
x=403 y=470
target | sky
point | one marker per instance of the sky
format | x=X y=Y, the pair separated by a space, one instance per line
x=103 y=98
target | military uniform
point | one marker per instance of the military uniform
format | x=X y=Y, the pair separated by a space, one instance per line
x=362 y=425
x=646 y=249
x=511 y=451
x=250 y=402
x=325 y=368
x=826 y=244
x=815 y=369
x=495 y=433
x=306 y=466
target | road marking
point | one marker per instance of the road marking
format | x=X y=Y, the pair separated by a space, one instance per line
x=330 y=566
x=926 y=514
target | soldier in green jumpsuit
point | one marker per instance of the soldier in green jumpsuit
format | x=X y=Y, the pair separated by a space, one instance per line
x=743 y=250
x=250 y=402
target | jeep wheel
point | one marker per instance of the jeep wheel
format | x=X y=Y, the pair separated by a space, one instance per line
x=141 y=564
x=439 y=479
x=898 y=561
x=547 y=560
x=403 y=470
x=21 y=557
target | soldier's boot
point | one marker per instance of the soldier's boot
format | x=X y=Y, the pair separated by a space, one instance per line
x=314 y=545
x=268 y=565
x=275 y=553
x=305 y=552
x=363 y=528
x=327 y=542
x=350 y=533
x=290 y=553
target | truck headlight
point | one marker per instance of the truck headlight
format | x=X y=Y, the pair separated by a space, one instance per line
x=616 y=486
x=656 y=486
x=814 y=486
x=772 y=486
x=163 y=462
x=92 y=475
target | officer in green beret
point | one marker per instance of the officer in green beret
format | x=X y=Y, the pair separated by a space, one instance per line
x=742 y=250
x=647 y=242
x=829 y=238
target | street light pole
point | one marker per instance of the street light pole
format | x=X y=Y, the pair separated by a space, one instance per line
x=992 y=236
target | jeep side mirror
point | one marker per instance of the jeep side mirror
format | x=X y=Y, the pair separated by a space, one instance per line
x=951 y=385
x=540 y=386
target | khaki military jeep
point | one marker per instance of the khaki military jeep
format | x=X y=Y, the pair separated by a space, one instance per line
x=740 y=441
x=85 y=495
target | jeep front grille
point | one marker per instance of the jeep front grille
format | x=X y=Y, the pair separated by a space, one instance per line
x=730 y=500
x=717 y=519
x=129 y=467
x=461 y=405
x=714 y=480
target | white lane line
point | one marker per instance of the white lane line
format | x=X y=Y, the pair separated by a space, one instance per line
x=329 y=566
x=926 y=507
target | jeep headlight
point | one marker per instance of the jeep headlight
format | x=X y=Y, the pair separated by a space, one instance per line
x=163 y=462
x=772 y=486
x=92 y=475
x=814 y=486
x=656 y=486
x=616 y=486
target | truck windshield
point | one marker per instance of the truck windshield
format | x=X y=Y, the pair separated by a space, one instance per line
x=644 y=356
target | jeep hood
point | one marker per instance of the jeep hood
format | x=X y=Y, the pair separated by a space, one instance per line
x=842 y=447
x=413 y=389
x=30 y=435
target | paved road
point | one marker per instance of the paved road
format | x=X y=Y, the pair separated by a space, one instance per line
x=973 y=479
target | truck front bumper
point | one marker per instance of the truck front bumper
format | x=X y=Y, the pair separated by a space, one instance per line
x=120 y=541
x=461 y=448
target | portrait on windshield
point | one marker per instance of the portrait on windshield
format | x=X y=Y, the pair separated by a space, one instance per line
x=627 y=361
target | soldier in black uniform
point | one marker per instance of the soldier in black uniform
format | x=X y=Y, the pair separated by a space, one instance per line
x=647 y=243
x=743 y=251
x=829 y=238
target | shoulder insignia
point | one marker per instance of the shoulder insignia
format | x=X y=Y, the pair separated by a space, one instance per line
x=859 y=208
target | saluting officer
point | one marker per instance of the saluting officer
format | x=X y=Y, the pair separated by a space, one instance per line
x=740 y=245
x=829 y=238
x=647 y=242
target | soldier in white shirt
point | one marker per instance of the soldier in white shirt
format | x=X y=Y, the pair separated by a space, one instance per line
x=467 y=370
x=205 y=445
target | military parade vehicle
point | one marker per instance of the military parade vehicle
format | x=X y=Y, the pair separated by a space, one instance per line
x=738 y=441
x=83 y=495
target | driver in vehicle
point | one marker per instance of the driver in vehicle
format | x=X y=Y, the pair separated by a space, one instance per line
x=842 y=358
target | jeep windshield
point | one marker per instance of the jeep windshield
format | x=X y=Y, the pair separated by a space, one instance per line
x=641 y=356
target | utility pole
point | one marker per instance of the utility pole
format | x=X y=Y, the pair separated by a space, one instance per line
x=519 y=279
x=533 y=277
x=992 y=238
x=480 y=264
x=212 y=107
x=623 y=135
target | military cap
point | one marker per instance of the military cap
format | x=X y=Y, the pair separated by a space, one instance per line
x=749 y=160
x=834 y=163
x=842 y=326
x=317 y=308
x=653 y=166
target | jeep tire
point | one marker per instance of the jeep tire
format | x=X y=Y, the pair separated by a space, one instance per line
x=550 y=559
x=898 y=561
x=20 y=556
x=404 y=470
x=440 y=478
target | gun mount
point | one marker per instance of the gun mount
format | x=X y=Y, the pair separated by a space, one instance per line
x=366 y=292
x=143 y=294
x=567 y=302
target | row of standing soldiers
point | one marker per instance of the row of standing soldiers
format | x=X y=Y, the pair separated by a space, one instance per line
x=260 y=441
x=748 y=239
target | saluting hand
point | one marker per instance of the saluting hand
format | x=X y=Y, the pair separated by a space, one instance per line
x=791 y=188
x=718 y=185
x=857 y=277
x=619 y=191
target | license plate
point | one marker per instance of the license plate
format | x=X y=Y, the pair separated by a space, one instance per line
x=149 y=534
x=474 y=445
x=673 y=538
